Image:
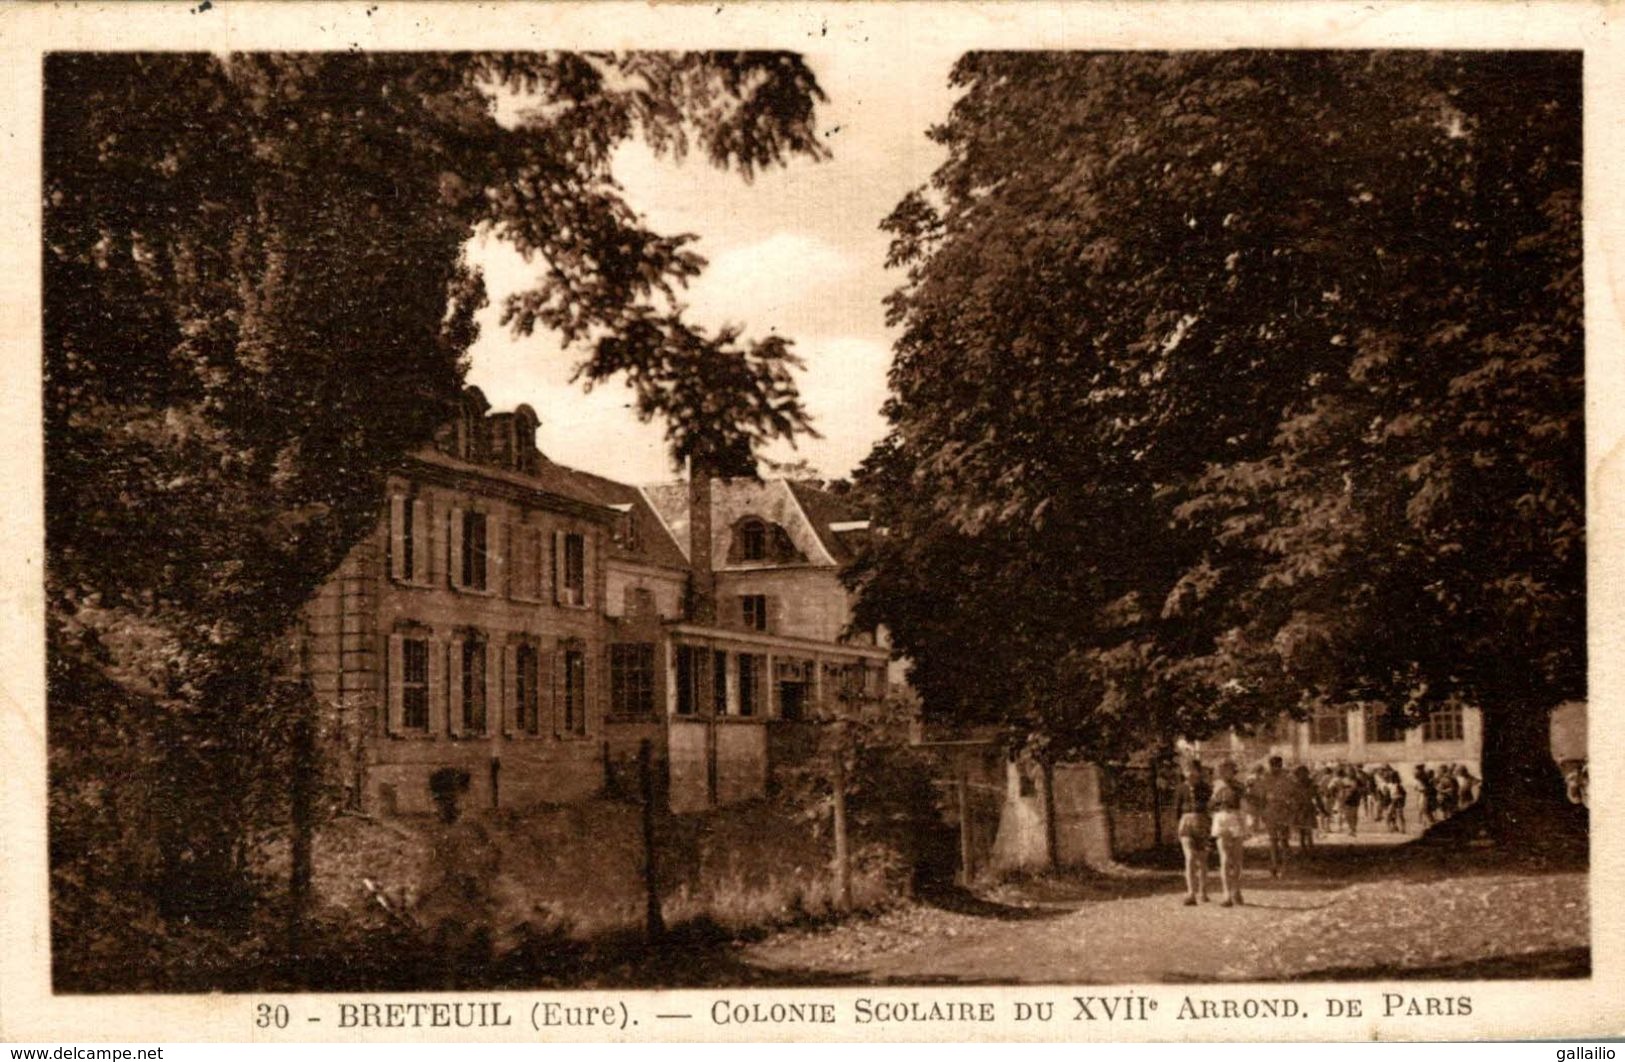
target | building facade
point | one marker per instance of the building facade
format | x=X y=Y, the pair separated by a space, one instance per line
x=534 y=625
x=1361 y=735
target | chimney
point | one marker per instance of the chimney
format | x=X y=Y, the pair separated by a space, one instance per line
x=702 y=579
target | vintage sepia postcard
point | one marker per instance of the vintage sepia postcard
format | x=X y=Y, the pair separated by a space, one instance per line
x=633 y=521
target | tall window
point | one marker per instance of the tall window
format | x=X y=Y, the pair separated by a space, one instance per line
x=574 y=575
x=474 y=686
x=752 y=683
x=753 y=608
x=1329 y=725
x=474 y=550
x=693 y=663
x=851 y=681
x=753 y=540
x=527 y=688
x=524 y=555
x=414 y=684
x=573 y=692
x=409 y=539
x=632 y=679
x=719 y=682
x=1382 y=727
x=1445 y=724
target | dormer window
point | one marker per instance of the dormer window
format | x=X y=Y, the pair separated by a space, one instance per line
x=753 y=540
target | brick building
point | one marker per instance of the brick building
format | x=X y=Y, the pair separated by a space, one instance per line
x=533 y=624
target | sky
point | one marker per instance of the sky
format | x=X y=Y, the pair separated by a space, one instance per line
x=799 y=251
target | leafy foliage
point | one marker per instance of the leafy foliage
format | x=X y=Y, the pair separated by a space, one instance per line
x=256 y=301
x=1230 y=383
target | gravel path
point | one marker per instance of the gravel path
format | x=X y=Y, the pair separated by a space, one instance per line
x=1344 y=916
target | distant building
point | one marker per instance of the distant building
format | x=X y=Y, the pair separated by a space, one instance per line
x=533 y=624
x=1365 y=736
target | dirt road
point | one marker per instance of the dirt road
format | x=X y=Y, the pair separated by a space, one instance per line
x=1347 y=912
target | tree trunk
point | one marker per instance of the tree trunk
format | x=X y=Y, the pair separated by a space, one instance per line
x=654 y=921
x=301 y=800
x=1156 y=803
x=1522 y=787
x=1046 y=798
x=967 y=870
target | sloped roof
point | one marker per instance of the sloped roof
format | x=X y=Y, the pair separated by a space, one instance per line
x=670 y=500
x=825 y=509
x=657 y=546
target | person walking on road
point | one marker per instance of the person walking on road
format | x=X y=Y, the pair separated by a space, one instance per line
x=1307 y=807
x=1350 y=794
x=1229 y=830
x=1191 y=812
x=1430 y=796
x=1275 y=793
x=1396 y=805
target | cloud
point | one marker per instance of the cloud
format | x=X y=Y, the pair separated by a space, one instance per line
x=843 y=387
x=775 y=281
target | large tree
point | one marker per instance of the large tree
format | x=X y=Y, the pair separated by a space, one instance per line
x=257 y=301
x=1232 y=383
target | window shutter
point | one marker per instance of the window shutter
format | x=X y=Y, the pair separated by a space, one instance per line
x=397 y=538
x=513 y=560
x=775 y=613
x=556 y=686
x=768 y=687
x=422 y=537
x=493 y=690
x=454 y=688
x=397 y=675
x=509 y=703
x=588 y=545
x=558 y=567
x=588 y=689
x=544 y=689
x=433 y=557
x=437 y=687
x=536 y=550
x=456 y=556
x=496 y=556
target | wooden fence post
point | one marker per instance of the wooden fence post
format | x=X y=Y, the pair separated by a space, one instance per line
x=1156 y=804
x=654 y=921
x=843 y=856
x=967 y=866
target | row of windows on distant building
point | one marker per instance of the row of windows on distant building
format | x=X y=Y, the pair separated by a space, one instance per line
x=474 y=681
x=471 y=552
x=706 y=676
x=709 y=681
x=1330 y=726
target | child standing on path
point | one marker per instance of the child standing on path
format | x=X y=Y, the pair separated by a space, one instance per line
x=1274 y=790
x=1191 y=812
x=1307 y=807
x=1229 y=830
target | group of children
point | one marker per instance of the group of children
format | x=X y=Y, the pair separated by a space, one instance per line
x=1383 y=795
x=1279 y=802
